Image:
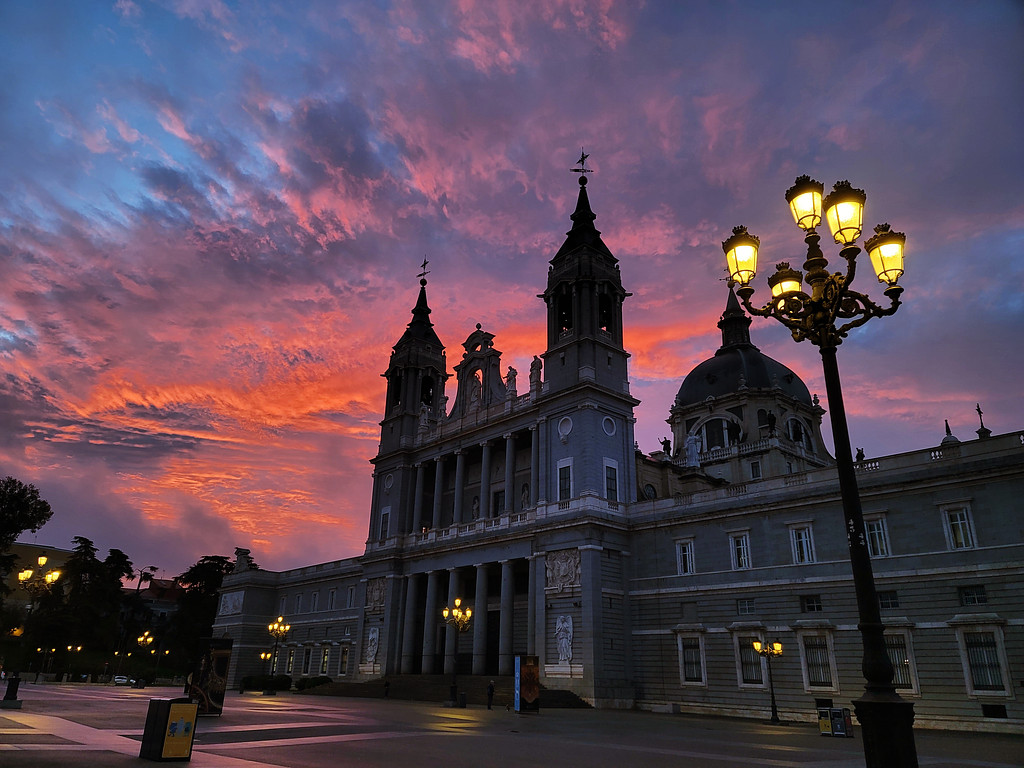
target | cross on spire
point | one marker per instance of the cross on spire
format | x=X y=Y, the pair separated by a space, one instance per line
x=423 y=268
x=582 y=163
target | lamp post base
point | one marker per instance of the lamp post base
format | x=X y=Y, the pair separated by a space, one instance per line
x=887 y=731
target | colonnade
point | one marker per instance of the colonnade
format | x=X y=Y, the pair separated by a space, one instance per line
x=483 y=508
x=426 y=594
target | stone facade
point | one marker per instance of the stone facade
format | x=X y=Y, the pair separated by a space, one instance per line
x=642 y=580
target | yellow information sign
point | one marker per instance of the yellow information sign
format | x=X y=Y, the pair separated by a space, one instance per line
x=181 y=727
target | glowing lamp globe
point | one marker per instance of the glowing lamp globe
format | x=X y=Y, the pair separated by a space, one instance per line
x=804 y=199
x=886 y=250
x=844 y=210
x=741 y=255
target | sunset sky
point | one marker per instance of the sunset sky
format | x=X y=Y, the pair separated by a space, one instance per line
x=212 y=216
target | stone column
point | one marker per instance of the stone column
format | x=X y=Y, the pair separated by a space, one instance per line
x=505 y=624
x=450 y=631
x=480 y=621
x=438 y=490
x=430 y=619
x=510 y=475
x=460 y=485
x=485 y=480
x=541 y=494
x=534 y=464
x=531 y=606
x=417 y=501
x=412 y=599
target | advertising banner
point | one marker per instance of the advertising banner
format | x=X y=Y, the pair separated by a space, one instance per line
x=208 y=682
x=526 y=694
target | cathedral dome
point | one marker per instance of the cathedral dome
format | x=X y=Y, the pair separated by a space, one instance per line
x=738 y=363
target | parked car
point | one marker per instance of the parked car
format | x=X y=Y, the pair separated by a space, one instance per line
x=123 y=680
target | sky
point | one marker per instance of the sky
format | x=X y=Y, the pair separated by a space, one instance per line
x=212 y=217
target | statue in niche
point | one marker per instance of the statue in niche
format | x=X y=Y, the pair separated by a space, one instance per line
x=424 y=418
x=476 y=507
x=475 y=390
x=510 y=381
x=563 y=569
x=563 y=636
x=524 y=497
x=372 y=644
x=692 y=447
x=771 y=423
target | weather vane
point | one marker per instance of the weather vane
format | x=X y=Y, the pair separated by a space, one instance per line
x=424 y=269
x=582 y=163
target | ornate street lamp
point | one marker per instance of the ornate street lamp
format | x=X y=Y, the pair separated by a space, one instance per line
x=37 y=580
x=279 y=631
x=72 y=649
x=265 y=656
x=824 y=316
x=459 y=619
x=770 y=650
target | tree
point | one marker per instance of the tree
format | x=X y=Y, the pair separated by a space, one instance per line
x=21 y=509
x=197 y=604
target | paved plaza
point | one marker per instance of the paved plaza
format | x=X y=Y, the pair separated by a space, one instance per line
x=63 y=726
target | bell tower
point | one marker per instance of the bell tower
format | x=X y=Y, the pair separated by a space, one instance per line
x=584 y=298
x=416 y=375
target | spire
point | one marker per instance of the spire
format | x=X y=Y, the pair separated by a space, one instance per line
x=583 y=232
x=420 y=329
x=735 y=324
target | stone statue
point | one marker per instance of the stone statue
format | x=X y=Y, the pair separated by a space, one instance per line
x=372 y=643
x=563 y=636
x=524 y=498
x=860 y=454
x=771 y=424
x=666 y=446
x=476 y=507
x=692 y=447
x=424 y=418
x=510 y=381
x=535 y=369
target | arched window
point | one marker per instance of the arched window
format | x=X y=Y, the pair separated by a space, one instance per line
x=427 y=391
x=563 y=313
x=605 y=313
x=716 y=433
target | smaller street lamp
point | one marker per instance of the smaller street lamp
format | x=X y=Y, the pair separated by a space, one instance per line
x=72 y=649
x=265 y=656
x=459 y=619
x=770 y=650
x=279 y=631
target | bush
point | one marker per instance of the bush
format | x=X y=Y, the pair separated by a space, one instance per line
x=311 y=682
x=265 y=683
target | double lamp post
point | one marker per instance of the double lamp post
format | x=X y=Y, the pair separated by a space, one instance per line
x=457 y=618
x=821 y=307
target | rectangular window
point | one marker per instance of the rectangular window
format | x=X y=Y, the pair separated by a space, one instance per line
x=818 y=662
x=684 y=557
x=983 y=660
x=351 y=598
x=325 y=657
x=611 y=483
x=740 y=551
x=307 y=657
x=291 y=661
x=878 y=537
x=750 y=662
x=888 y=599
x=959 y=531
x=280 y=606
x=314 y=601
x=802 y=541
x=896 y=647
x=974 y=595
x=332 y=599
x=811 y=604
x=565 y=482
x=498 y=498
x=343 y=661
x=273 y=663
x=692 y=662
x=298 y=603
x=745 y=606
x=755 y=470
x=385 y=522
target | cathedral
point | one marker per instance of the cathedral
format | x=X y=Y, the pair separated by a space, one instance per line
x=643 y=580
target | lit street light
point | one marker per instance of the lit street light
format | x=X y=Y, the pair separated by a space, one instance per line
x=459 y=619
x=770 y=650
x=279 y=631
x=824 y=317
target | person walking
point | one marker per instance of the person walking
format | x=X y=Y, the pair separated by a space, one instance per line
x=490 y=694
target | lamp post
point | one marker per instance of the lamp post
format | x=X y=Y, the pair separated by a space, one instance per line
x=770 y=650
x=36 y=581
x=459 y=619
x=824 y=317
x=72 y=650
x=145 y=640
x=265 y=656
x=279 y=631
